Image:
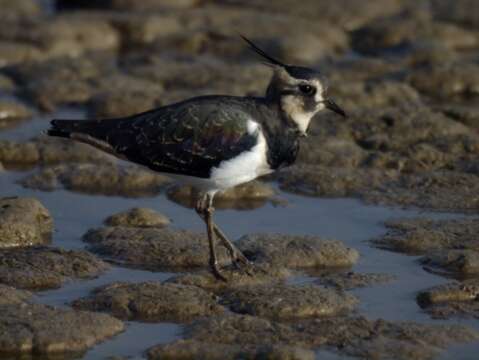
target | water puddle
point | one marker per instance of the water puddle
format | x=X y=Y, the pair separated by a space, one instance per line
x=329 y=355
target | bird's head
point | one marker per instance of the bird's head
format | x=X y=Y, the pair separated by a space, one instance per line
x=299 y=91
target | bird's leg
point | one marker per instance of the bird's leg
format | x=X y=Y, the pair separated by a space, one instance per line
x=208 y=217
x=200 y=208
x=235 y=254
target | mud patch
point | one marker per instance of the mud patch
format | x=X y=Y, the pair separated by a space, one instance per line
x=39 y=268
x=297 y=251
x=289 y=302
x=356 y=336
x=24 y=222
x=151 y=301
x=104 y=179
x=138 y=217
x=35 y=329
x=451 y=299
x=151 y=248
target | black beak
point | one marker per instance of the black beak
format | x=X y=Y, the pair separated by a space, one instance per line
x=331 y=105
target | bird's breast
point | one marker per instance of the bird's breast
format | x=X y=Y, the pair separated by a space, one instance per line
x=282 y=150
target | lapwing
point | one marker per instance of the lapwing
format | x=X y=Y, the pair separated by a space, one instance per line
x=215 y=142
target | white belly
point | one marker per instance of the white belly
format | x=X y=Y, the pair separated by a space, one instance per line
x=243 y=168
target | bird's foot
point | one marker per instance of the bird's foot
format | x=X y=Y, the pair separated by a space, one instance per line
x=239 y=257
x=241 y=263
x=217 y=272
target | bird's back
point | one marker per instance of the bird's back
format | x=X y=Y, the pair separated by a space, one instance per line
x=187 y=138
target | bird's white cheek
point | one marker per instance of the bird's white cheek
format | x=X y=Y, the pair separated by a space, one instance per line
x=319 y=99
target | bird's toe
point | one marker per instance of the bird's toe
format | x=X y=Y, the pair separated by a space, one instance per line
x=217 y=272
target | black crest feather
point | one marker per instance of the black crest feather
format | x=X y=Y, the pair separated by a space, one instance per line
x=256 y=49
x=298 y=72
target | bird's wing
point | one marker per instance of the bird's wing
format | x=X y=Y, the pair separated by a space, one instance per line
x=187 y=139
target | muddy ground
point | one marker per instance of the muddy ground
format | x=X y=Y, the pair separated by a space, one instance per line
x=366 y=248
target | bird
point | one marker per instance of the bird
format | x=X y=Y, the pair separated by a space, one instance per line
x=216 y=142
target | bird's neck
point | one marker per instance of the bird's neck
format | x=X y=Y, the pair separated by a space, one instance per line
x=281 y=137
x=290 y=113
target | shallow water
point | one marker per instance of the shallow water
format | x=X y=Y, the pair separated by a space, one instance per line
x=347 y=220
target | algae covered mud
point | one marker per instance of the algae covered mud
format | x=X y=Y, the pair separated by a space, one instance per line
x=366 y=248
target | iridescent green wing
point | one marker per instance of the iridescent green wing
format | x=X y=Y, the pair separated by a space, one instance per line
x=189 y=138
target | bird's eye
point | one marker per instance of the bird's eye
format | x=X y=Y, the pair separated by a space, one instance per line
x=307 y=89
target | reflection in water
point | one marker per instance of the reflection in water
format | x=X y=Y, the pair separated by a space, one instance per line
x=135 y=340
x=244 y=197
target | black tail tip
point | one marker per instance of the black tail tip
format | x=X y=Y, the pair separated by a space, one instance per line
x=57 y=133
x=56 y=130
x=54 y=123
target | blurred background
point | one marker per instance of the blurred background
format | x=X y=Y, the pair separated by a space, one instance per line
x=387 y=61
